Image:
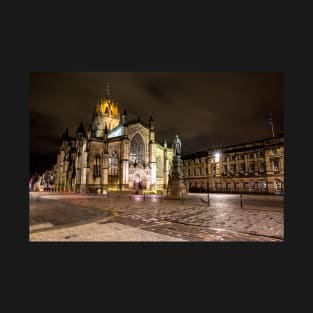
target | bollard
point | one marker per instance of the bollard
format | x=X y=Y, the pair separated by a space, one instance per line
x=241 y=204
x=208 y=199
x=144 y=196
x=118 y=196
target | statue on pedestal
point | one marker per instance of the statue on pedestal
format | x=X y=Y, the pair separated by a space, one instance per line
x=176 y=187
x=176 y=145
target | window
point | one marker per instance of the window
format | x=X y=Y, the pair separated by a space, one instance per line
x=97 y=166
x=252 y=185
x=242 y=167
x=275 y=163
x=260 y=154
x=137 y=150
x=225 y=169
x=263 y=185
x=251 y=155
x=113 y=164
x=262 y=167
x=274 y=151
x=251 y=168
x=233 y=168
x=202 y=171
x=214 y=169
x=278 y=185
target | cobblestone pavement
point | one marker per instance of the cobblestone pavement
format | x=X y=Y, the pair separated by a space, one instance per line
x=190 y=220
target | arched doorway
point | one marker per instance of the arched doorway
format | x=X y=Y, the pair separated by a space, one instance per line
x=138 y=182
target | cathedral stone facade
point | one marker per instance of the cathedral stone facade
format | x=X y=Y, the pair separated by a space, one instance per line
x=114 y=154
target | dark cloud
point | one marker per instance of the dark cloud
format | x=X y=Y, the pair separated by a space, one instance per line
x=203 y=108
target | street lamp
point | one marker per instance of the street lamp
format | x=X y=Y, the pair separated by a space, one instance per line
x=208 y=184
x=217 y=156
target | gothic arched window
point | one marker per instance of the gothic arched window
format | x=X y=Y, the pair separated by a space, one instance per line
x=113 y=164
x=137 y=150
x=97 y=166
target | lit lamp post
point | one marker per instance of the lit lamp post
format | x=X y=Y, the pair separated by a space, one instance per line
x=217 y=156
x=208 y=188
x=208 y=183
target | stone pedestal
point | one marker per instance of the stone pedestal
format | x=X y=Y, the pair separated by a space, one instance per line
x=176 y=186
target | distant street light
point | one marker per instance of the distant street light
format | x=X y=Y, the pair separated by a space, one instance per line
x=217 y=156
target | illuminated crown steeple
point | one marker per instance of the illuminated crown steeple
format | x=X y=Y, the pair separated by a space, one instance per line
x=108 y=105
x=106 y=114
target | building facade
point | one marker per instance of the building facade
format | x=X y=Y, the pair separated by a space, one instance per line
x=256 y=167
x=114 y=154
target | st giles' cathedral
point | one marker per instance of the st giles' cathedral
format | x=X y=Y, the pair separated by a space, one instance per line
x=114 y=154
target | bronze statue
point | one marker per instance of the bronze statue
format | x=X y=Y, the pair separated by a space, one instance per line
x=176 y=145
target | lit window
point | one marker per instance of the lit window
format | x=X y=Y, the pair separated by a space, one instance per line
x=137 y=150
x=278 y=185
x=113 y=164
x=263 y=185
x=276 y=165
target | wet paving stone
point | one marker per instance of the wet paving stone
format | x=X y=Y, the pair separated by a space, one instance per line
x=196 y=222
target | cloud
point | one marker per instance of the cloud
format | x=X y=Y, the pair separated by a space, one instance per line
x=202 y=108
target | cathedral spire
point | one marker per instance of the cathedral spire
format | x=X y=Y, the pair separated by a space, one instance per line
x=81 y=129
x=108 y=90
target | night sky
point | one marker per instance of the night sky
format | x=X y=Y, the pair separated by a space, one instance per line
x=205 y=109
